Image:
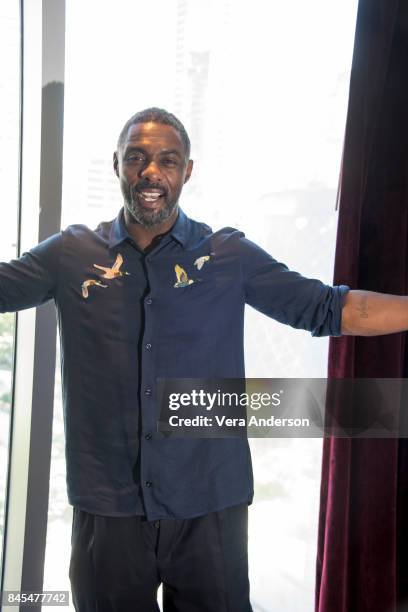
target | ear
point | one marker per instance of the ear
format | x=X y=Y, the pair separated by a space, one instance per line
x=116 y=163
x=188 y=170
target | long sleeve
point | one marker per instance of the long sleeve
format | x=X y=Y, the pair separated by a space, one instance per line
x=32 y=279
x=287 y=296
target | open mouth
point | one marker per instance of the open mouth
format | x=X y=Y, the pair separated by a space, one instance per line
x=150 y=196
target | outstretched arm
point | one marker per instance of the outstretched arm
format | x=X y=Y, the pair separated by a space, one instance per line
x=367 y=313
x=30 y=280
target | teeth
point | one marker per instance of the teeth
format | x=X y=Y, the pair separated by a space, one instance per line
x=151 y=194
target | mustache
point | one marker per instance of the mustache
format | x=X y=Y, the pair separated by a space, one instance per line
x=143 y=184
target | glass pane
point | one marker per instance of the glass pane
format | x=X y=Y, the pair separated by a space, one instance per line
x=262 y=89
x=9 y=172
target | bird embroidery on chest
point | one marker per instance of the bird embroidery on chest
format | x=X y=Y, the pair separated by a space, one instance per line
x=182 y=277
x=201 y=261
x=108 y=274
x=114 y=271
x=89 y=283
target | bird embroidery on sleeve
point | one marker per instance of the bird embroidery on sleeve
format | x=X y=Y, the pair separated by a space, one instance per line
x=182 y=277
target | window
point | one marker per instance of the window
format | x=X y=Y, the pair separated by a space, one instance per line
x=9 y=180
x=262 y=89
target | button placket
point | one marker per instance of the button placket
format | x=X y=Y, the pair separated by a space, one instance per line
x=147 y=376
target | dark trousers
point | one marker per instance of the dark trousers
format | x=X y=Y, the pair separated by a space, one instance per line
x=117 y=564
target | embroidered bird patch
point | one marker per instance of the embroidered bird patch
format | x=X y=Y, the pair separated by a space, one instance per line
x=114 y=271
x=89 y=283
x=182 y=277
x=108 y=273
x=201 y=261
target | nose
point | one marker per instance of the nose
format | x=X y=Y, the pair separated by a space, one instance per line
x=151 y=171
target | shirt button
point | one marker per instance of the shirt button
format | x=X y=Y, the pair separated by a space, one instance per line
x=148 y=483
x=149 y=301
x=148 y=346
x=148 y=436
x=148 y=391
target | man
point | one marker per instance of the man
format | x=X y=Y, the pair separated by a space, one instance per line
x=154 y=294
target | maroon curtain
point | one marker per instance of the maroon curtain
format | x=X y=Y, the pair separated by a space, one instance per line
x=362 y=562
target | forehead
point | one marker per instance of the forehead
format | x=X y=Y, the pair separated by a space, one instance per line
x=152 y=135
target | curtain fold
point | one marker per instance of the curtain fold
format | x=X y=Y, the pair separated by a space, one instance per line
x=362 y=559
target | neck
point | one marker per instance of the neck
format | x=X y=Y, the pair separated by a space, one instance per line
x=144 y=236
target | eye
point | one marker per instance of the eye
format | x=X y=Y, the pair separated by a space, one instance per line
x=169 y=162
x=134 y=157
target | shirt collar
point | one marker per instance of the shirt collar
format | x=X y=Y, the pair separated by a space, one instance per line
x=181 y=229
x=119 y=233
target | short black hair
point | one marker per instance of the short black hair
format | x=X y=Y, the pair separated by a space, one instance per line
x=156 y=115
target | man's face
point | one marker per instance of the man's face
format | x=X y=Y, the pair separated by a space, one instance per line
x=152 y=169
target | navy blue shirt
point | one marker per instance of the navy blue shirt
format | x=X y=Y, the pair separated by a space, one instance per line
x=127 y=317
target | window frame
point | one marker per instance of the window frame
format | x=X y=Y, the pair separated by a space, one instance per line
x=42 y=24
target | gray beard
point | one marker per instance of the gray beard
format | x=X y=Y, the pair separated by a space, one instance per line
x=145 y=217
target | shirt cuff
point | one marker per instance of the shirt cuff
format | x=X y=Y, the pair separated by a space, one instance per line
x=332 y=323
